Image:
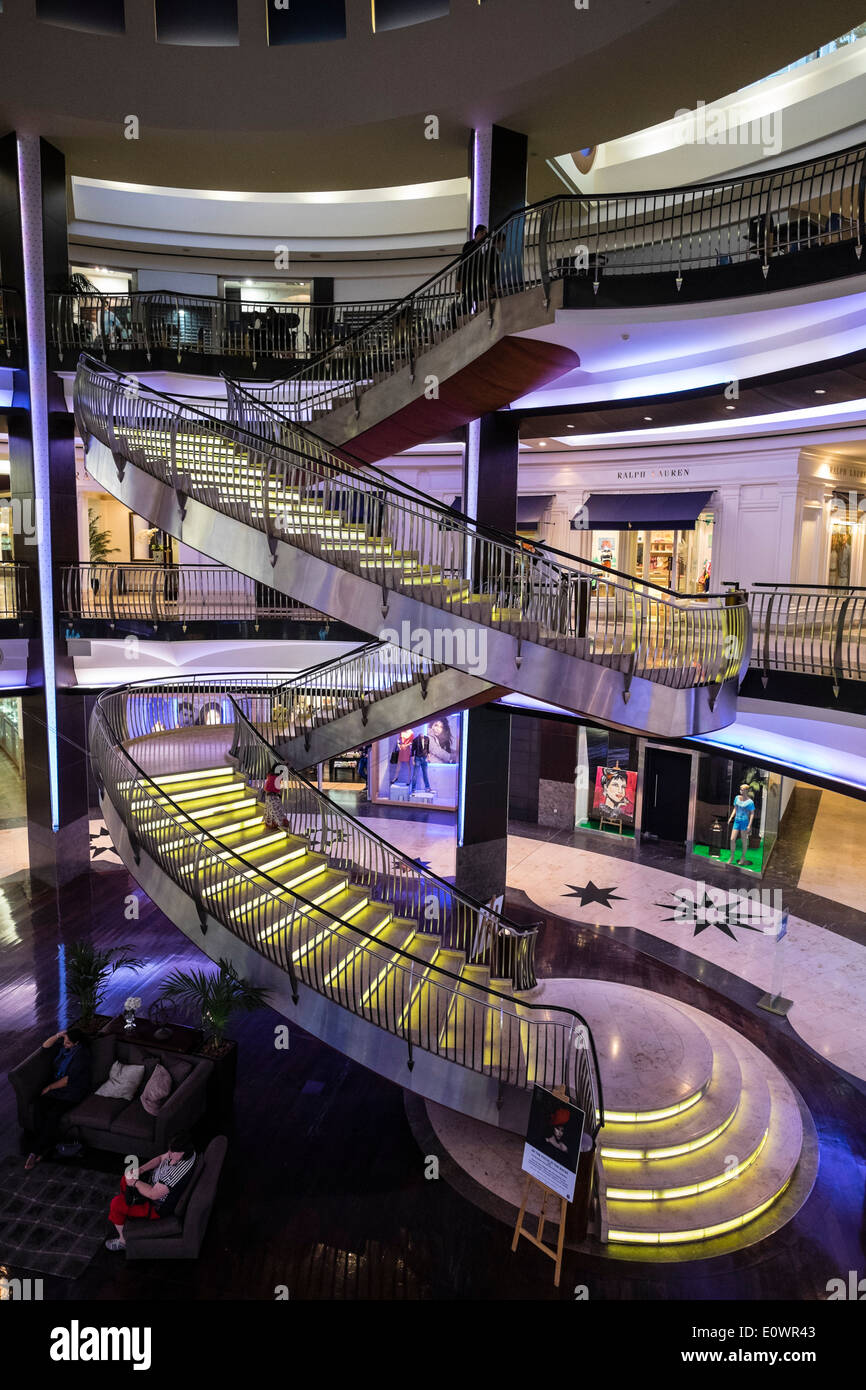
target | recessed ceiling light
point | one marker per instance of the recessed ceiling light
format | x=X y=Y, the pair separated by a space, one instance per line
x=571 y=427
x=730 y=407
x=820 y=391
x=647 y=417
x=542 y=443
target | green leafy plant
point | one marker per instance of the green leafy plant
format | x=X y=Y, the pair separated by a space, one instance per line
x=98 y=540
x=87 y=972
x=214 y=998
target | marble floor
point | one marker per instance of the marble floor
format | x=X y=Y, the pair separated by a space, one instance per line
x=833 y=865
x=821 y=970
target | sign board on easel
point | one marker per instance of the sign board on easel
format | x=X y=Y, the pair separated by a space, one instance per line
x=552 y=1149
x=550 y=1158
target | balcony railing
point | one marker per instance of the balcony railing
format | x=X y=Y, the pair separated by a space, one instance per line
x=765 y=218
x=15 y=600
x=809 y=629
x=157 y=321
x=159 y=594
x=11 y=321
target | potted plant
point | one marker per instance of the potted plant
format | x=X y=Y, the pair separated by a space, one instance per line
x=98 y=542
x=214 y=998
x=87 y=972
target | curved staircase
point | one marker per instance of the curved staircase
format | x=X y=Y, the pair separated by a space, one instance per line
x=361 y=945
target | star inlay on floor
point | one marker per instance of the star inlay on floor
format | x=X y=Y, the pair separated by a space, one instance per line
x=724 y=911
x=591 y=894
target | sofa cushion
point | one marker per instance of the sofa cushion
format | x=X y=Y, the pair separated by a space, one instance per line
x=188 y=1186
x=162 y=1226
x=177 y=1068
x=157 y=1090
x=134 y=1121
x=123 y=1081
x=96 y=1112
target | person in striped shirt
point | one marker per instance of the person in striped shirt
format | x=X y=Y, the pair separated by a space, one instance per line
x=141 y=1200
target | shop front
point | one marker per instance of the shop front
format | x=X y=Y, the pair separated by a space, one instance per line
x=664 y=538
x=685 y=800
x=419 y=765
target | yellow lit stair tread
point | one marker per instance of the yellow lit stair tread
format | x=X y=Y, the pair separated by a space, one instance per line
x=432 y=998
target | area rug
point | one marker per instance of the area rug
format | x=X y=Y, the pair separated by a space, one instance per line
x=54 y=1218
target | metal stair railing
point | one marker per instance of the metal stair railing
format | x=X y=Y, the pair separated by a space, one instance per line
x=508 y=1044
x=247 y=703
x=151 y=321
x=761 y=217
x=627 y=624
x=350 y=685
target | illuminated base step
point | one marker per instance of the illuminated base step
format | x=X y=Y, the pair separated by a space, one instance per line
x=702 y=1134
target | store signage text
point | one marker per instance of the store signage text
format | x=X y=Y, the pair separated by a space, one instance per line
x=627 y=475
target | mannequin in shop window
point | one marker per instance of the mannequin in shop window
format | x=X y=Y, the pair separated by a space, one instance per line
x=403 y=751
x=420 y=754
x=742 y=815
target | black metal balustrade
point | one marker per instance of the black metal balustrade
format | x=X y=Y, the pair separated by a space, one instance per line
x=809 y=629
x=631 y=625
x=516 y=1044
x=158 y=321
x=765 y=218
x=15 y=600
x=159 y=594
x=11 y=321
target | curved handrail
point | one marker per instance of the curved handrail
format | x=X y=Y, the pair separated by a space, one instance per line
x=809 y=629
x=573 y=1054
x=149 y=592
x=201 y=324
x=461 y=916
x=762 y=216
x=676 y=641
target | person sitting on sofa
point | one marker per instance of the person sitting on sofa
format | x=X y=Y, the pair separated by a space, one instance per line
x=148 y=1201
x=70 y=1085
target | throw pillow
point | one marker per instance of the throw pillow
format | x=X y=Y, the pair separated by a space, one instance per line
x=123 y=1081
x=157 y=1090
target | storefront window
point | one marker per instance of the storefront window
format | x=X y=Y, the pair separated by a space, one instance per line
x=419 y=764
x=678 y=560
x=605 y=781
x=720 y=783
x=841 y=542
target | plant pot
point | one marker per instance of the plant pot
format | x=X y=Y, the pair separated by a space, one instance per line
x=221 y=1086
x=95 y=1026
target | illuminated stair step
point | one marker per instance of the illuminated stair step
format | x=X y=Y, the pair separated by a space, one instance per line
x=395 y=985
x=302 y=876
x=425 y=1017
x=343 y=906
x=472 y=1027
x=325 y=948
x=211 y=776
x=688 y=1130
x=356 y=971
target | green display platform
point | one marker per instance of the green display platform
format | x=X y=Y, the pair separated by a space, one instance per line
x=754 y=857
x=605 y=829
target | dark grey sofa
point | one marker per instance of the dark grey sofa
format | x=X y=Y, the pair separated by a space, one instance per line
x=179 y=1236
x=121 y=1126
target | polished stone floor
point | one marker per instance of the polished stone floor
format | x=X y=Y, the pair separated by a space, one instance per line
x=325 y=1189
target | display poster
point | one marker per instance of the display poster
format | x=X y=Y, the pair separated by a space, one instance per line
x=553 y=1137
x=614 y=796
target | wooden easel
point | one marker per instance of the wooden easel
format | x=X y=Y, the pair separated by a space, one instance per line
x=554 y=1253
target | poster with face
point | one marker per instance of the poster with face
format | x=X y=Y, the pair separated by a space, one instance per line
x=553 y=1139
x=614 y=796
x=444 y=735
